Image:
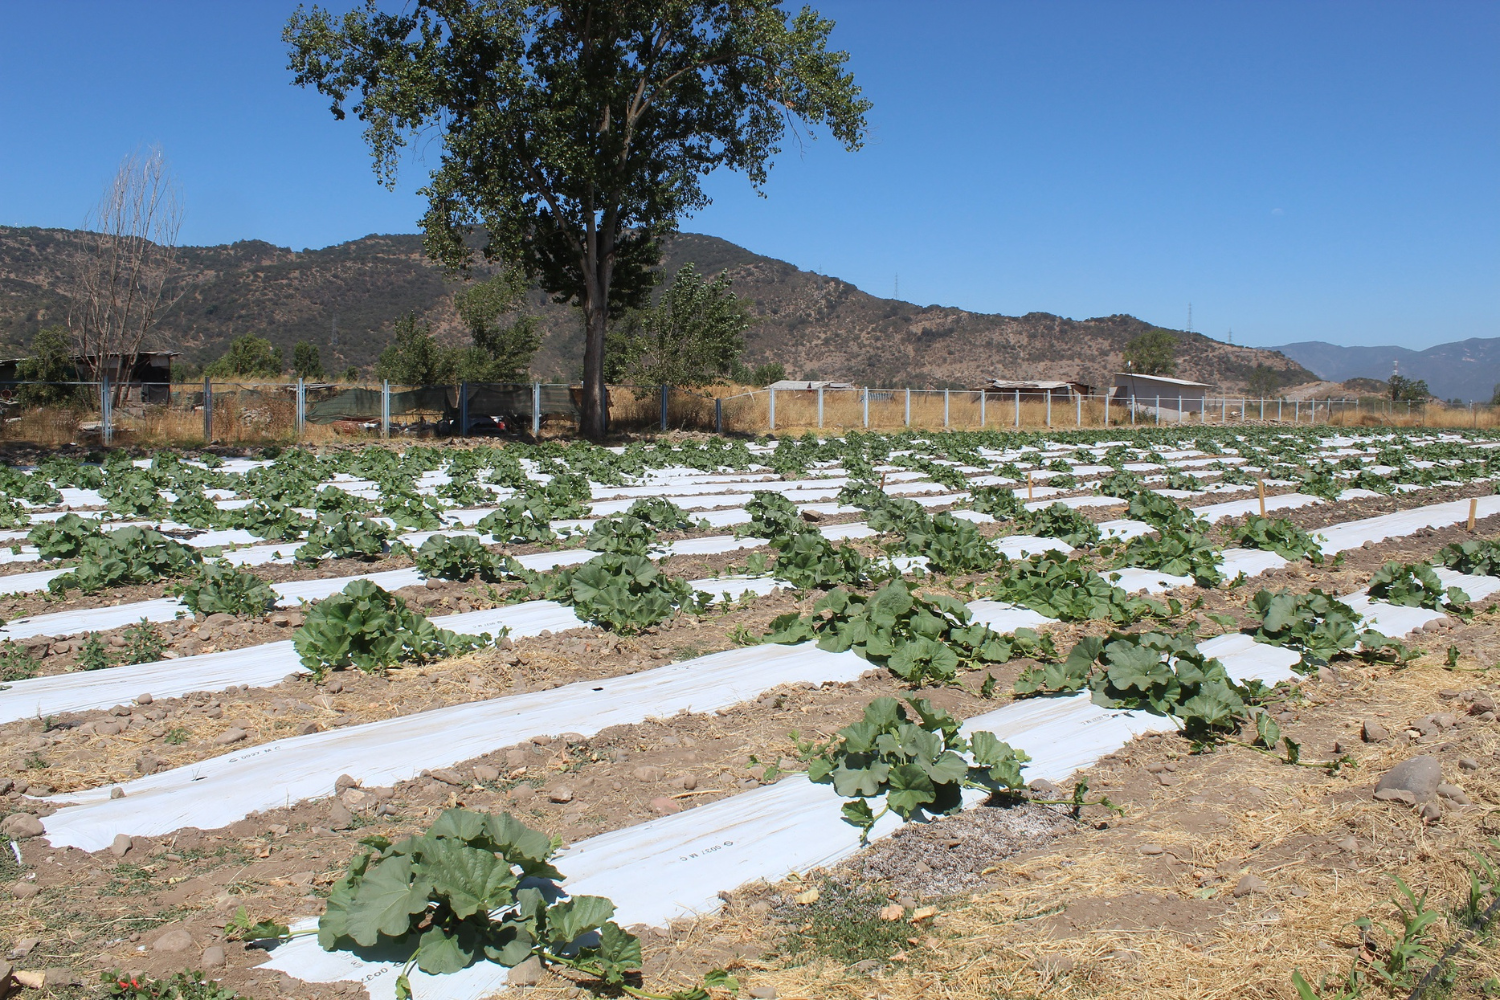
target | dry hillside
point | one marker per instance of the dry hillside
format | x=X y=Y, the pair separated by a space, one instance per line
x=811 y=323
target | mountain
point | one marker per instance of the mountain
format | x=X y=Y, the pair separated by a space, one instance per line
x=1465 y=369
x=813 y=324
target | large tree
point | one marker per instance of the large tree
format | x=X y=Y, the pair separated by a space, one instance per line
x=1152 y=353
x=577 y=132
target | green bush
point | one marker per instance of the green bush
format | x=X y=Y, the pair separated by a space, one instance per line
x=347 y=536
x=125 y=556
x=623 y=593
x=220 y=588
x=459 y=557
x=65 y=537
x=369 y=628
x=623 y=534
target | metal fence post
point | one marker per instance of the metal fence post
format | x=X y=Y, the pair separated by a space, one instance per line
x=867 y=407
x=1049 y=407
x=945 y=407
x=1296 y=411
x=1078 y=407
x=718 y=415
x=385 y=409
x=208 y=410
x=1224 y=410
x=664 y=391
x=1132 y=409
x=536 y=409
x=463 y=409
x=820 y=407
x=1158 y=409
x=1179 y=409
x=1018 y=407
x=908 y=407
x=301 y=406
x=982 y=395
x=771 y=409
x=1106 y=409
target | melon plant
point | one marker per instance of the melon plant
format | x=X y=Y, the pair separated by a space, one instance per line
x=367 y=627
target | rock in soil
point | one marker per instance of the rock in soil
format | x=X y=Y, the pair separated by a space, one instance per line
x=1420 y=776
x=18 y=826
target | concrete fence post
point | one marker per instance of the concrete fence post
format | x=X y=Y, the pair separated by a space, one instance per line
x=536 y=409
x=771 y=409
x=106 y=417
x=208 y=410
x=820 y=407
x=718 y=416
x=908 y=407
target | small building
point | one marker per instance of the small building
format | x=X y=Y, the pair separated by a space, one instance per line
x=149 y=379
x=1035 y=390
x=1175 y=395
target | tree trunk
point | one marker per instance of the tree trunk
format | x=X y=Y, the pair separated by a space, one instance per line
x=591 y=422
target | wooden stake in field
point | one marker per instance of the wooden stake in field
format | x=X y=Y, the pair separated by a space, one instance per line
x=1473 y=510
x=1260 y=491
x=1030 y=483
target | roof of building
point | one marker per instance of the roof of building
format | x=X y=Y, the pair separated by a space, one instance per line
x=1185 y=383
x=1032 y=384
x=787 y=383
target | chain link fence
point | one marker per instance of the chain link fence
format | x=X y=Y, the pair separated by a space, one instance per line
x=248 y=411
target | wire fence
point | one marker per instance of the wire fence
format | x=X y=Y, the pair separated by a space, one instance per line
x=247 y=411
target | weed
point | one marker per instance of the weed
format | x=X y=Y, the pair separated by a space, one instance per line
x=842 y=924
x=93 y=655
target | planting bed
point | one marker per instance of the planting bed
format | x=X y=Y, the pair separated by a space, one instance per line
x=639 y=705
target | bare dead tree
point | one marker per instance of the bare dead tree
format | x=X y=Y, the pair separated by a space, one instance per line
x=129 y=260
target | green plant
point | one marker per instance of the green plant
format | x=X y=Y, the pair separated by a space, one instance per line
x=952 y=545
x=1477 y=558
x=221 y=588
x=125 y=556
x=773 y=517
x=1279 y=536
x=1163 y=513
x=16 y=664
x=917 y=766
x=919 y=639
x=1163 y=674
x=623 y=593
x=1052 y=584
x=1412 y=945
x=1175 y=551
x=810 y=561
x=347 y=536
x=455 y=895
x=241 y=928
x=1415 y=585
x=1317 y=624
x=661 y=513
x=93 y=655
x=1061 y=522
x=1121 y=484
x=63 y=538
x=366 y=627
x=623 y=534
x=143 y=643
x=413 y=511
x=186 y=985
x=519 y=521
x=273 y=520
x=176 y=736
x=997 y=501
x=459 y=557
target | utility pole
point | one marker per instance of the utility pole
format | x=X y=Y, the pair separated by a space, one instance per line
x=1190 y=318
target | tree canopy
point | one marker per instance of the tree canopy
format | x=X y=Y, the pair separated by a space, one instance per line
x=248 y=356
x=306 y=361
x=51 y=361
x=1152 y=353
x=1408 y=390
x=577 y=132
x=693 y=337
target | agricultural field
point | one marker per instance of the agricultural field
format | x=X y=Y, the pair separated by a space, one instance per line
x=1171 y=713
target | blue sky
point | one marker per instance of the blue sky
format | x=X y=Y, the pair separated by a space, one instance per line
x=1294 y=170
